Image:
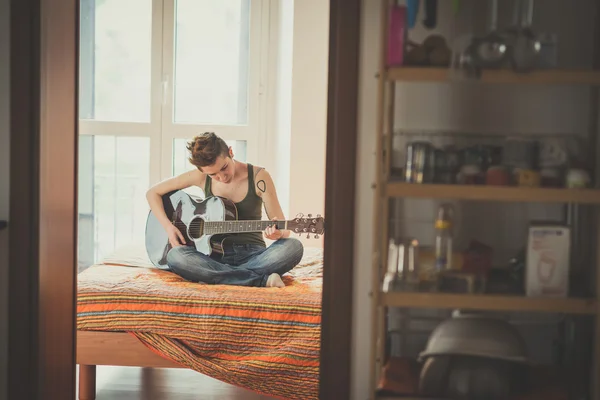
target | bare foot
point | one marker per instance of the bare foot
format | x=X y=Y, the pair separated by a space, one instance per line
x=274 y=280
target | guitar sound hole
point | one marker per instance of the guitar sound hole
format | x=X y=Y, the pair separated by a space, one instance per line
x=196 y=228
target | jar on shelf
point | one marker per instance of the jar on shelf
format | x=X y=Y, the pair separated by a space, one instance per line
x=402 y=266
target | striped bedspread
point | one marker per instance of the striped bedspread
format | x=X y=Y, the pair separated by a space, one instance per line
x=263 y=339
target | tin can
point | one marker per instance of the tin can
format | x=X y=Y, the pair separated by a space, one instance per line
x=420 y=162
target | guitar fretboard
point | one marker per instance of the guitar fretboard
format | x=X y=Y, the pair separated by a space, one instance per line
x=216 y=227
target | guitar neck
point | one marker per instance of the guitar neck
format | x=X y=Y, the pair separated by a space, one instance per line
x=218 y=227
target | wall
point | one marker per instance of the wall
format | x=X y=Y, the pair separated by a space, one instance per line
x=297 y=137
x=469 y=108
x=4 y=187
x=281 y=73
x=309 y=107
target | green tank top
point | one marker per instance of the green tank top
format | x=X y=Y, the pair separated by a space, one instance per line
x=250 y=208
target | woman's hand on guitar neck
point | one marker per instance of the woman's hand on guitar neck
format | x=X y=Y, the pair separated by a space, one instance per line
x=273 y=233
x=175 y=236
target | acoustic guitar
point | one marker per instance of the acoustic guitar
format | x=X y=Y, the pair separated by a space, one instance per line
x=208 y=223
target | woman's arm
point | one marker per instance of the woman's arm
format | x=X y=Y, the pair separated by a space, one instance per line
x=265 y=188
x=155 y=193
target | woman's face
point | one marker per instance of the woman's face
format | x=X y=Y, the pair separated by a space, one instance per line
x=223 y=170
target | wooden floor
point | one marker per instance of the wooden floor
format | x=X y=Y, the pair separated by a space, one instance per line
x=132 y=383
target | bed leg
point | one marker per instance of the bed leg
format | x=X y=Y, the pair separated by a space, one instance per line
x=87 y=382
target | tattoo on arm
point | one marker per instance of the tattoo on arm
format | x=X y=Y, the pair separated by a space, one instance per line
x=261 y=185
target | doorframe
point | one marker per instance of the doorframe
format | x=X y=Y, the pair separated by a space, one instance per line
x=43 y=198
x=44 y=38
x=340 y=184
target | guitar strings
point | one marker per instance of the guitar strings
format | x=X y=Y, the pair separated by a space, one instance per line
x=207 y=225
x=212 y=227
x=214 y=223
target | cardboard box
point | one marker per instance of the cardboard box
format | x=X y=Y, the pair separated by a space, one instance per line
x=548 y=260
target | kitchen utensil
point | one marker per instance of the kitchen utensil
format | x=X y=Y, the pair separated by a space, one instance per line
x=490 y=51
x=434 y=375
x=527 y=46
x=476 y=378
x=472 y=335
x=413 y=10
x=462 y=64
x=430 y=14
x=549 y=52
x=473 y=378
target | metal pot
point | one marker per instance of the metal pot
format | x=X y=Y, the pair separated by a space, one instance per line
x=475 y=335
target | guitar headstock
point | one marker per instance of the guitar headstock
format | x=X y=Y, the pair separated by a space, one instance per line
x=307 y=225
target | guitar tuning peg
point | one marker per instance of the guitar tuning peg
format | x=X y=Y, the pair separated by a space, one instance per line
x=309 y=215
x=316 y=236
x=308 y=235
x=318 y=215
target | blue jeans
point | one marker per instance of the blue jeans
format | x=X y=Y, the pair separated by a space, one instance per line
x=245 y=265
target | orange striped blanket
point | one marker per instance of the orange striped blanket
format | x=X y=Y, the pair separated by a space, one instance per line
x=263 y=339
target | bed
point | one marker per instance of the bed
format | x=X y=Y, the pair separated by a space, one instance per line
x=263 y=339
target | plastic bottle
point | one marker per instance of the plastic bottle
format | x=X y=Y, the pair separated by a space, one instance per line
x=443 y=238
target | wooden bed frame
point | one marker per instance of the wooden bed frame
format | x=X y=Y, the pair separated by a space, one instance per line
x=111 y=348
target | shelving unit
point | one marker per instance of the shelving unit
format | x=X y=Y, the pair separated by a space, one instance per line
x=386 y=188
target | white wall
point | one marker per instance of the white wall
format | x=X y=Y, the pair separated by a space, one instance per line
x=297 y=137
x=471 y=108
x=309 y=107
x=282 y=41
x=4 y=176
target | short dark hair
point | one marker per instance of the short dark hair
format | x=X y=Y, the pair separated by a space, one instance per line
x=205 y=148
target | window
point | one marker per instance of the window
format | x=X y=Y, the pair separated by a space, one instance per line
x=115 y=60
x=113 y=179
x=211 y=62
x=154 y=73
